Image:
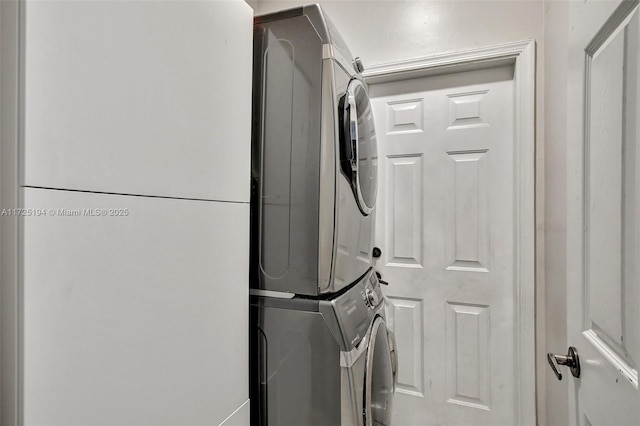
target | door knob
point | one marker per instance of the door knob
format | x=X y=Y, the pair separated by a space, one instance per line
x=571 y=360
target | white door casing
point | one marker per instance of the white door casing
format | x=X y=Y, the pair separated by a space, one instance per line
x=603 y=207
x=455 y=225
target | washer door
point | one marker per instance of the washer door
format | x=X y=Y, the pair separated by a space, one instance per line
x=358 y=148
x=378 y=377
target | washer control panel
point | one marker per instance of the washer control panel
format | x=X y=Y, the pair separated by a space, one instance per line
x=355 y=309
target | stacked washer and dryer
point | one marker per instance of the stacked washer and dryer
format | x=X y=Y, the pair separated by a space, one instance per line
x=321 y=353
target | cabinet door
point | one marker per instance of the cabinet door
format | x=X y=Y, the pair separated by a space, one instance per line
x=139 y=97
x=136 y=318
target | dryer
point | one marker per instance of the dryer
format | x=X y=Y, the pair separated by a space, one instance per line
x=314 y=158
x=323 y=362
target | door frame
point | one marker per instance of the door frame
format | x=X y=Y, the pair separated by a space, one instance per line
x=521 y=55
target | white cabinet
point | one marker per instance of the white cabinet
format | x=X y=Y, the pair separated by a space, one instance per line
x=134 y=319
x=139 y=97
x=141 y=109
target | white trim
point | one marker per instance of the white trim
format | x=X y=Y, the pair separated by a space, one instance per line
x=525 y=232
x=522 y=55
x=418 y=67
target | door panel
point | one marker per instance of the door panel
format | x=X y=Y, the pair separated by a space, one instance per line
x=405 y=317
x=467 y=349
x=603 y=295
x=405 y=218
x=445 y=224
x=467 y=243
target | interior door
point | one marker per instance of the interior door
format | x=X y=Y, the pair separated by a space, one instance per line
x=603 y=235
x=445 y=224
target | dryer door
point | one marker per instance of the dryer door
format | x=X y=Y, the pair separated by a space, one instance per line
x=378 y=377
x=358 y=151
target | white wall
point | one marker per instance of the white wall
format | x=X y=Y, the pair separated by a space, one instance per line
x=136 y=117
x=384 y=31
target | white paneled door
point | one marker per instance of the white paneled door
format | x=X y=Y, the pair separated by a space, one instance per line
x=446 y=227
x=603 y=250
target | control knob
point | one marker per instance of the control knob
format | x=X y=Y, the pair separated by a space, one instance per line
x=371 y=298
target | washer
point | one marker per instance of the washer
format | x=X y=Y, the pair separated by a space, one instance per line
x=323 y=362
x=314 y=157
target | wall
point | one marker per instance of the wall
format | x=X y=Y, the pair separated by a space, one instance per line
x=125 y=288
x=387 y=31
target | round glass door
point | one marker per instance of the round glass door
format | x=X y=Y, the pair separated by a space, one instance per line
x=359 y=152
x=378 y=377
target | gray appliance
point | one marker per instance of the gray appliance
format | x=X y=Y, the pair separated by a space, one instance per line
x=314 y=157
x=323 y=362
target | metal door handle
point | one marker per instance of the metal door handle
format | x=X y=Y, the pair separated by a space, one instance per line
x=571 y=360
